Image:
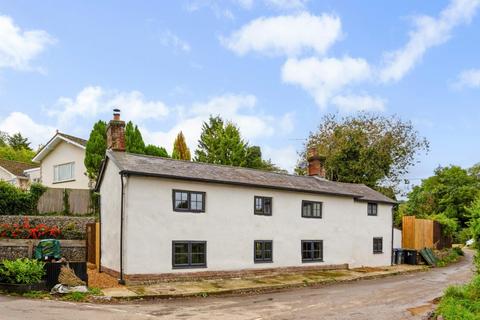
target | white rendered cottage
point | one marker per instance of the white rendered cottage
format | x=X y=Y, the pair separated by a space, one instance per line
x=161 y=216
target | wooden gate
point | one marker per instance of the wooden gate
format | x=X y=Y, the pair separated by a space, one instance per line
x=423 y=233
x=93 y=243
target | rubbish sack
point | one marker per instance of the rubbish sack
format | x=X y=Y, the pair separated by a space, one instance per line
x=62 y=289
x=68 y=277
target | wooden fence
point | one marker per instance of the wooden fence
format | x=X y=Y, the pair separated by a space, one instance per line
x=79 y=201
x=422 y=233
x=93 y=244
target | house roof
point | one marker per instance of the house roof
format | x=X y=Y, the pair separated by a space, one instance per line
x=55 y=140
x=15 y=167
x=143 y=165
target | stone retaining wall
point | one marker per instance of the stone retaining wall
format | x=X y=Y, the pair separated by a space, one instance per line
x=11 y=249
x=59 y=221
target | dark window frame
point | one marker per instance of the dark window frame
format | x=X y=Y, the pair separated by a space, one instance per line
x=312 y=260
x=376 y=248
x=262 y=212
x=372 y=209
x=189 y=265
x=312 y=203
x=189 y=197
x=263 y=259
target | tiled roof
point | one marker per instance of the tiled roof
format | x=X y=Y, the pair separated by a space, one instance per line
x=78 y=140
x=189 y=170
x=15 y=167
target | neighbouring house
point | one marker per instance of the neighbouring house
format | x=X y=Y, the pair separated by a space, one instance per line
x=20 y=174
x=62 y=162
x=161 y=216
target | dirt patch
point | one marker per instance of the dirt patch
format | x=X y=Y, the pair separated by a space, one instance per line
x=420 y=310
x=100 y=280
x=368 y=269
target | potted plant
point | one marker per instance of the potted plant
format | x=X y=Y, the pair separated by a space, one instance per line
x=22 y=275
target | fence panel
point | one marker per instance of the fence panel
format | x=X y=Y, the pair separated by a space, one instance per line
x=52 y=200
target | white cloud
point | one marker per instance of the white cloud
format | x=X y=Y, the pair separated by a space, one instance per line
x=247 y=4
x=352 y=103
x=94 y=100
x=170 y=39
x=324 y=78
x=19 y=122
x=17 y=47
x=428 y=32
x=240 y=109
x=286 y=35
x=285 y=157
x=468 y=79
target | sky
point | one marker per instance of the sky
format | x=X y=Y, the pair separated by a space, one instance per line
x=273 y=67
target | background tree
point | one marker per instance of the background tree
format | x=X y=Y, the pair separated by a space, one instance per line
x=371 y=149
x=448 y=192
x=3 y=139
x=133 y=139
x=180 y=148
x=222 y=143
x=22 y=155
x=156 y=151
x=17 y=142
x=95 y=148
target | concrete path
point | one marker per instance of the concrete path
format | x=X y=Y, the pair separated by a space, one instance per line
x=387 y=298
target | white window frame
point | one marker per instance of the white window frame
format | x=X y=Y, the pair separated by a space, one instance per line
x=55 y=172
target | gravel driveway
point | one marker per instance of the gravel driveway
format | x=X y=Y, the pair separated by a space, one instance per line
x=397 y=297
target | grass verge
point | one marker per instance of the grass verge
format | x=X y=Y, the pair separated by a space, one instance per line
x=461 y=302
x=449 y=256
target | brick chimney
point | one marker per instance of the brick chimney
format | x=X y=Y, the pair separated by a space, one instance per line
x=116 y=132
x=316 y=163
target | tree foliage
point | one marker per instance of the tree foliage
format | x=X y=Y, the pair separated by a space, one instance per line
x=95 y=148
x=180 y=148
x=156 y=151
x=474 y=223
x=18 y=142
x=222 y=143
x=22 y=155
x=449 y=191
x=133 y=139
x=371 y=149
x=3 y=139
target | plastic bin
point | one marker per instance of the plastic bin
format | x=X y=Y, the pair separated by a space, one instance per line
x=398 y=256
x=410 y=256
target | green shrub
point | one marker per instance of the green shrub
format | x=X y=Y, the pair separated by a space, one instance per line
x=72 y=232
x=21 y=271
x=15 y=201
x=461 y=302
x=458 y=251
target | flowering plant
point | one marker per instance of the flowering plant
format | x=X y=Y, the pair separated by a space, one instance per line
x=26 y=231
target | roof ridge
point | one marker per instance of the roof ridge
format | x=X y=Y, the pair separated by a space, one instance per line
x=215 y=164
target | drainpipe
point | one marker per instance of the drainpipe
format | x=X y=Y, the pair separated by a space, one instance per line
x=121 y=280
x=391 y=251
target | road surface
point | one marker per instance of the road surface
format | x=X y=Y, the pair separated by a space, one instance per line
x=396 y=297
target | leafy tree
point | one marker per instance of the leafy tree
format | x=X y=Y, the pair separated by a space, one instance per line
x=449 y=191
x=222 y=143
x=370 y=149
x=17 y=142
x=3 y=139
x=22 y=155
x=180 y=148
x=95 y=148
x=474 y=222
x=475 y=170
x=133 y=139
x=153 y=150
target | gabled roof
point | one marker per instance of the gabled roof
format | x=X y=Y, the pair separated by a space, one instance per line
x=15 y=167
x=55 y=140
x=143 y=165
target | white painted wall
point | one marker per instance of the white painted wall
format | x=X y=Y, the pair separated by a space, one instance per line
x=110 y=191
x=397 y=238
x=230 y=227
x=65 y=152
x=5 y=175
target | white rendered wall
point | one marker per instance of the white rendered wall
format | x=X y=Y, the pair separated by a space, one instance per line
x=110 y=199
x=65 y=153
x=230 y=227
x=397 y=238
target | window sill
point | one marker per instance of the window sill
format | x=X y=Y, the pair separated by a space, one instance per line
x=190 y=267
x=271 y=261
x=311 y=261
x=63 y=181
x=378 y=252
x=262 y=214
x=311 y=217
x=189 y=211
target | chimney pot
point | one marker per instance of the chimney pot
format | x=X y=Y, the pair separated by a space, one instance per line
x=116 y=132
x=316 y=163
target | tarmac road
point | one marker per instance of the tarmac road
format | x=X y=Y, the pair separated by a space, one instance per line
x=397 y=297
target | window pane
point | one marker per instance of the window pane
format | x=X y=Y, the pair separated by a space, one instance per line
x=258 y=204
x=267 y=245
x=258 y=254
x=181 y=204
x=181 y=248
x=307 y=209
x=267 y=205
x=198 y=258
x=268 y=255
x=198 y=247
